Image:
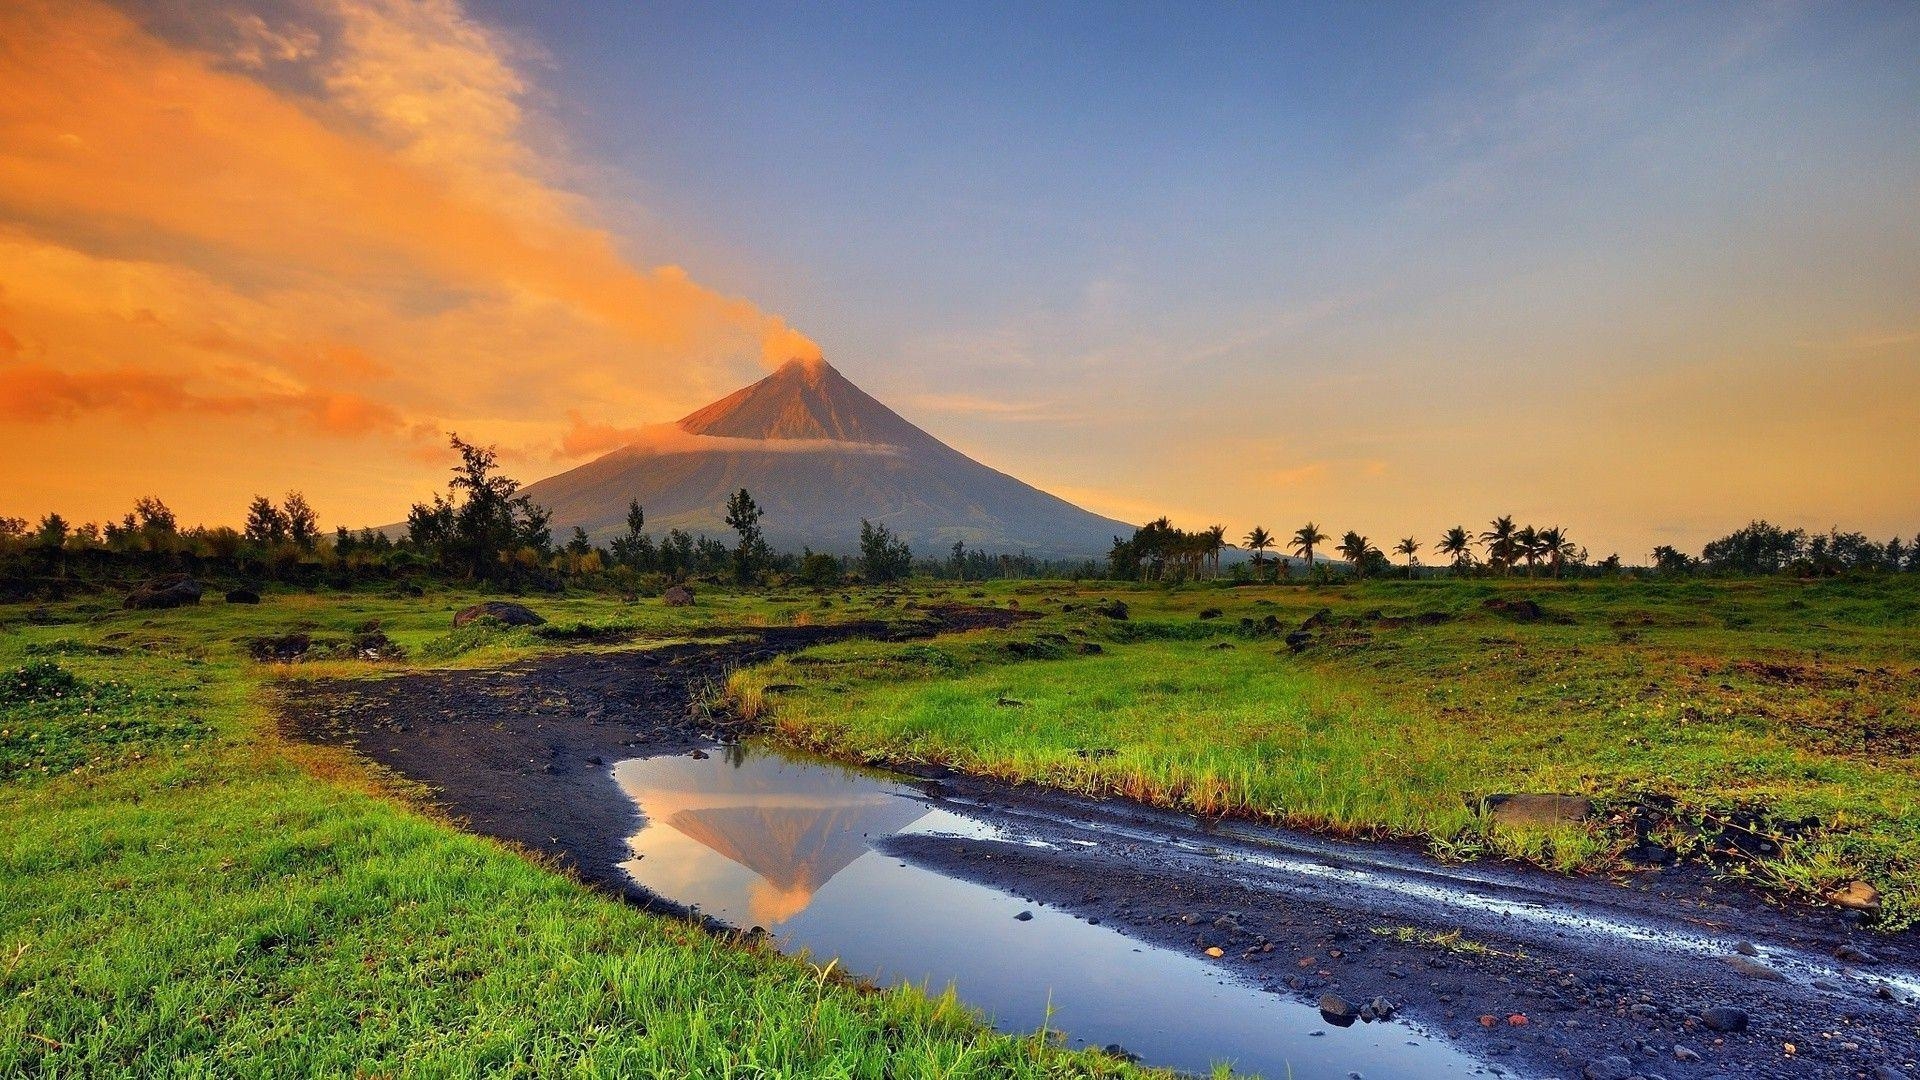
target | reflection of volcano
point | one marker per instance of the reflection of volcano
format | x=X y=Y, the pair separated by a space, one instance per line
x=793 y=827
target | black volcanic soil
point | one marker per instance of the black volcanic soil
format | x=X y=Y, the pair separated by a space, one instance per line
x=523 y=754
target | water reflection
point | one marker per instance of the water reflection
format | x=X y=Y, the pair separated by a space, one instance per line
x=755 y=837
x=790 y=827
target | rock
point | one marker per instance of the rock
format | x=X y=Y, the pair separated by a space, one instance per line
x=1382 y=1008
x=678 y=596
x=285 y=647
x=1857 y=896
x=1522 y=610
x=1685 y=1053
x=1536 y=809
x=508 y=613
x=1855 y=956
x=1025 y=916
x=1216 y=951
x=1613 y=1067
x=1648 y=854
x=1643 y=1011
x=1115 y=609
x=1323 y=617
x=242 y=596
x=1299 y=640
x=1724 y=1018
x=1089 y=648
x=1754 y=969
x=166 y=591
x=1747 y=948
x=1212 y=613
x=1338 y=1011
x=1888 y=1072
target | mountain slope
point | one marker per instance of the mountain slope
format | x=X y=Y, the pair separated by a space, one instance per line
x=818 y=454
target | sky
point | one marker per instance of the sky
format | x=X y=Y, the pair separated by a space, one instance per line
x=1644 y=271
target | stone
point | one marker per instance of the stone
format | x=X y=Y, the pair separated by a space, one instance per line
x=1856 y=896
x=1114 y=609
x=678 y=596
x=1025 y=916
x=509 y=613
x=166 y=591
x=1724 y=1018
x=1685 y=1053
x=1522 y=809
x=1382 y=1008
x=1754 y=969
x=242 y=596
x=1612 y=1067
x=1338 y=1011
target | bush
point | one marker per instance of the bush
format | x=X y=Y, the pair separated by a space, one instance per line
x=41 y=680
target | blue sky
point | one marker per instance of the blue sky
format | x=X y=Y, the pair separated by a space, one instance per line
x=1644 y=271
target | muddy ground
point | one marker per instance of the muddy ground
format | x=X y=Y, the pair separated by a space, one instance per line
x=1551 y=976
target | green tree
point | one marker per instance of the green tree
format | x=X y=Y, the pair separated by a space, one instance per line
x=1258 y=541
x=1457 y=545
x=303 y=525
x=749 y=555
x=1358 y=550
x=1305 y=539
x=1503 y=548
x=884 y=556
x=52 y=533
x=482 y=520
x=1410 y=548
x=266 y=525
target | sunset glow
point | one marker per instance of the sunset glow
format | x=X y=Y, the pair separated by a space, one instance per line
x=252 y=250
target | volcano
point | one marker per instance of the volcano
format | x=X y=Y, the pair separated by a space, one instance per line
x=818 y=454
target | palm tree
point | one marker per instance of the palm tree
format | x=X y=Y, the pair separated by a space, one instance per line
x=1408 y=547
x=1458 y=543
x=1216 y=539
x=1258 y=541
x=1355 y=549
x=1304 y=540
x=1499 y=542
x=1527 y=541
x=1557 y=547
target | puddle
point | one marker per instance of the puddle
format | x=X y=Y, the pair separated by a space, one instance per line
x=758 y=838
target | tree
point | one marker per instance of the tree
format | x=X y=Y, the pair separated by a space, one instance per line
x=1357 y=550
x=1216 y=540
x=1502 y=544
x=1557 y=548
x=1305 y=539
x=579 y=544
x=266 y=526
x=1760 y=548
x=1408 y=547
x=303 y=526
x=634 y=548
x=959 y=560
x=1527 y=542
x=482 y=520
x=52 y=533
x=743 y=517
x=1457 y=545
x=1668 y=559
x=1258 y=540
x=883 y=556
x=819 y=569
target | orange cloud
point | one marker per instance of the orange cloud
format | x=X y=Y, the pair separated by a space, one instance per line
x=38 y=393
x=375 y=252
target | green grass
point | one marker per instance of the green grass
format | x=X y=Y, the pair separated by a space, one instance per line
x=1792 y=700
x=183 y=894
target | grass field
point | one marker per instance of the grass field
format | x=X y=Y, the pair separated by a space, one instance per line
x=183 y=894
x=1794 y=703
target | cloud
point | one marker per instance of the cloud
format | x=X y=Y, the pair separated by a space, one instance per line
x=585 y=437
x=993 y=408
x=39 y=393
x=339 y=216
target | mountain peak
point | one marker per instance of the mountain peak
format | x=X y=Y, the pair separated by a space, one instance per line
x=803 y=399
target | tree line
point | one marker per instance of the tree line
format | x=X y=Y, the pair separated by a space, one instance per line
x=1159 y=551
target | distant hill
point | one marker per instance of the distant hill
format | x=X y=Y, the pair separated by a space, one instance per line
x=818 y=454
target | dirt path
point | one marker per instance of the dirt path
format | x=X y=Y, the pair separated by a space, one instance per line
x=1578 y=977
